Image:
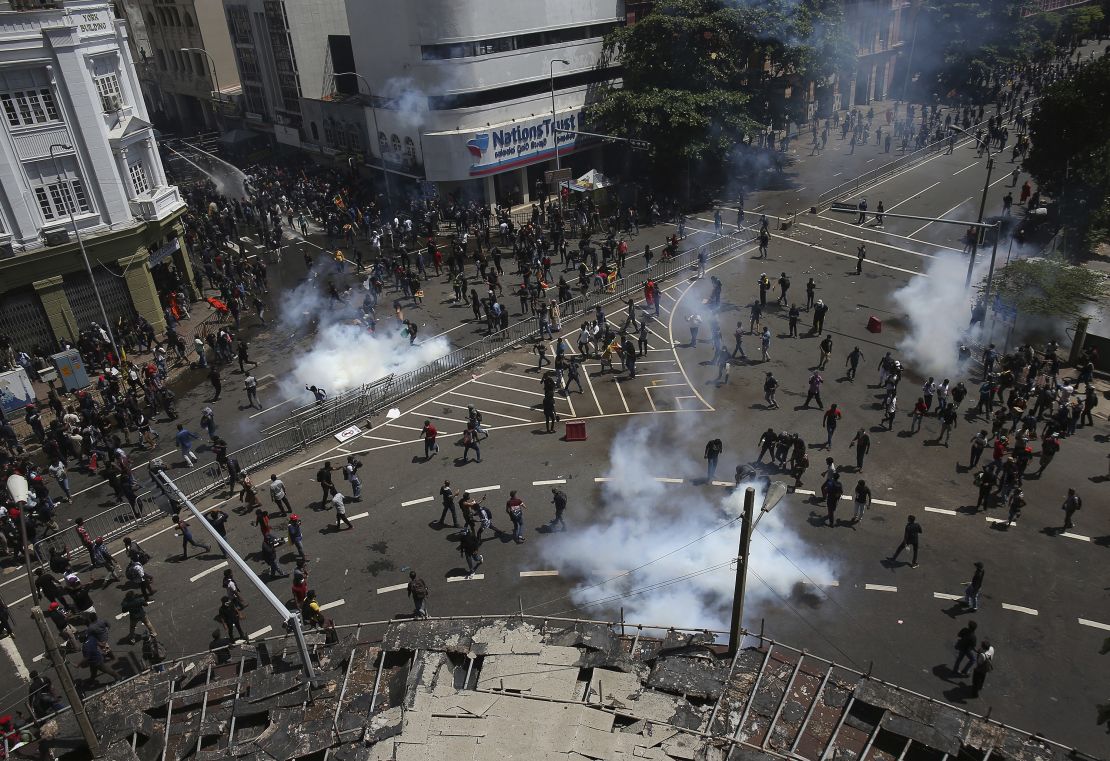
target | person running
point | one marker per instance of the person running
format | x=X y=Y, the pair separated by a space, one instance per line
x=429 y=433
x=448 y=495
x=337 y=502
x=911 y=537
x=770 y=386
x=231 y=618
x=187 y=539
x=296 y=535
x=514 y=508
x=975 y=588
x=559 y=499
x=861 y=498
x=417 y=589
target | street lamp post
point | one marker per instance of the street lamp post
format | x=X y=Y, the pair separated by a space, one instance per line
x=982 y=208
x=776 y=490
x=374 y=111
x=215 y=78
x=18 y=490
x=67 y=196
x=554 y=131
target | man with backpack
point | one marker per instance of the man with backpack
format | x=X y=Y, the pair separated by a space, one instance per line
x=323 y=477
x=136 y=574
x=418 y=591
x=133 y=605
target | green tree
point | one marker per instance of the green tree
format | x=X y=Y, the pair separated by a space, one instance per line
x=1070 y=153
x=1049 y=287
x=701 y=77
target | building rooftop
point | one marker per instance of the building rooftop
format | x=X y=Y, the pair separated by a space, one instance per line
x=497 y=688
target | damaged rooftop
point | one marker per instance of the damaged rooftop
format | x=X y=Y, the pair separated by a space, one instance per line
x=496 y=688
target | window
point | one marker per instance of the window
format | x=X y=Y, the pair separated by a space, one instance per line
x=521 y=90
x=139 y=179
x=517 y=42
x=111 y=99
x=26 y=107
x=58 y=197
x=410 y=151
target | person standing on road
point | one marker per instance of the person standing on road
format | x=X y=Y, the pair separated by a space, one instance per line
x=862 y=443
x=469 y=545
x=429 y=433
x=229 y=616
x=852 y=362
x=978 y=444
x=1072 y=504
x=770 y=386
x=278 y=495
x=133 y=605
x=217 y=384
x=470 y=441
x=94 y=650
x=966 y=640
x=185 y=439
x=861 y=500
x=834 y=490
x=949 y=419
x=811 y=293
x=559 y=499
x=515 y=510
x=713 y=449
x=971 y=594
x=323 y=477
x=784 y=288
x=296 y=535
x=418 y=591
x=337 y=502
x=984 y=664
x=250 y=383
x=187 y=536
x=765 y=344
x=448 y=495
x=826 y=351
x=830 y=420
x=861 y=254
x=911 y=537
x=350 y=473
x=815 y=382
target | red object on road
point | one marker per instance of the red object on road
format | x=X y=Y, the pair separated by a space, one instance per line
x=874 y=324
x=218 y=305
x=576 y=430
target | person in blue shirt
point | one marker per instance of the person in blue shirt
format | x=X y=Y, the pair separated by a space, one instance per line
x=184 y=439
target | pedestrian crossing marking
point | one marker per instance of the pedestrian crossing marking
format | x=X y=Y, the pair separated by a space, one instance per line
x=475 y=577
x=1094 y=624
x=943 y=596
x=880 y=588
x=1080 y=537
x=417 y=501
x=394 y=588
x=207 y=571
x=940 y=510
x=333 y=604
x=477 y=489
x=531 y=574
x=356 y=517
x=550 y=482
x=1020 y=609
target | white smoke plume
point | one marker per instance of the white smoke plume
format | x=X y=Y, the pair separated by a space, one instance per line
x=938 y=312
x=344 y=351
x=641 y=519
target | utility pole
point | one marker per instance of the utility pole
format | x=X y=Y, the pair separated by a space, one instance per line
x=982 y=207
x=741 y=585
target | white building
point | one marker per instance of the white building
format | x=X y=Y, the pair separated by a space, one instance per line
x=463 y=89
x=76 y=132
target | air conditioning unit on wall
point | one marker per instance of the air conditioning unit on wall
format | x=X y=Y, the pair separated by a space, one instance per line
x=57 y=237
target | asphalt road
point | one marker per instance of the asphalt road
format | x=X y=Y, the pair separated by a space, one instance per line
x=865 y=611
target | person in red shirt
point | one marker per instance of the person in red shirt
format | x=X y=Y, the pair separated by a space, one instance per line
x=831 y=418
x=430 y=446
x=919 y=411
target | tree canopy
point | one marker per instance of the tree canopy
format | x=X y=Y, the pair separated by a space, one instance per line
x=1049 y=287
x=1070 y=153
x=702 y=76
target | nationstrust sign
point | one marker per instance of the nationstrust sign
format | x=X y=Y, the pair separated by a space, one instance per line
x=507 y=147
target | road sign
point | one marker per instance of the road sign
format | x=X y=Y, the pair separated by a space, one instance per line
x=553 y=176
x=639 y=145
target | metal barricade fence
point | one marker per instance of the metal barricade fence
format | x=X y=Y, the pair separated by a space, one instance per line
x=112 y=523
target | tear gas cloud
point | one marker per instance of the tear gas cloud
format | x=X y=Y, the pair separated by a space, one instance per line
x=641 y=519
x=938 y=310
x=344 y=353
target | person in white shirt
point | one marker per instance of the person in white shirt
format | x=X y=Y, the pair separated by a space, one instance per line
x=277 y=494
x=340 y=509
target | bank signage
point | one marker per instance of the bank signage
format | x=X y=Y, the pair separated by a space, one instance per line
x=514 y=145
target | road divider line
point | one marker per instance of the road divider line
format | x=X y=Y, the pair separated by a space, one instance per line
x=1080 y=537
x=601 y=480
x=989 y=519
x=807 y=492
x=532 y=574
x=121 y=616
x=333 y=604
x=38 y=658
x=880 y=588
x=260 y=632
x=664 y=480
x=940 y=510
x=549 y=482
x=915 y=195
x=945 y=596
x=478 y=489
x=417 y=501
x=207 y=571
x=360 y=515
x=1020 y=609
x=886 y=502
x=723 y=483
x=475 y=577
x=394 y=588
x=8 y=644
x=1094 y=624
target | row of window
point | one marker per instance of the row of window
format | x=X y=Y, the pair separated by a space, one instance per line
x=515 y=42
x=169 y=17
x=522 y=90
x=57 y=198
x=25 y=108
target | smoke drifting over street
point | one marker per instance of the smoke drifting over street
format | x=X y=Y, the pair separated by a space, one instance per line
x=938 y=310
x=345 y=352
x=641 y=519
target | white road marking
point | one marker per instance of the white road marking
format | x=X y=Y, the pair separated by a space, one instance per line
x=332 y=604
x=874 y=229
x=669 y=372
x=593 y=393
x=356 y=517
x=1080 y=537
x=904 y=200
x=723 y=483
x=394 y=588
x=121 y=616
x=989 y=519
x=1094 y=624
x=417 y=501
x=1005 y=176
x=807 y=492
x=260 y=632
x=880 y=588
x=509 y=388
x=647 y=393
x=620 y=391
x=944 y=596
x=871 y=242
x=207 y=571
x=601 y=480
x=958 y=171
x=38 y=657
x=942 y=216
x=870 y=262
x=483 y=399
x=940 y=510
x=668 y=385
x=888 y=503
x=475 y=577
x=272 y=407
x=532 y=574
x=1020 y=609
x=663 y=480
x=549 y=482
x=8 y=645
